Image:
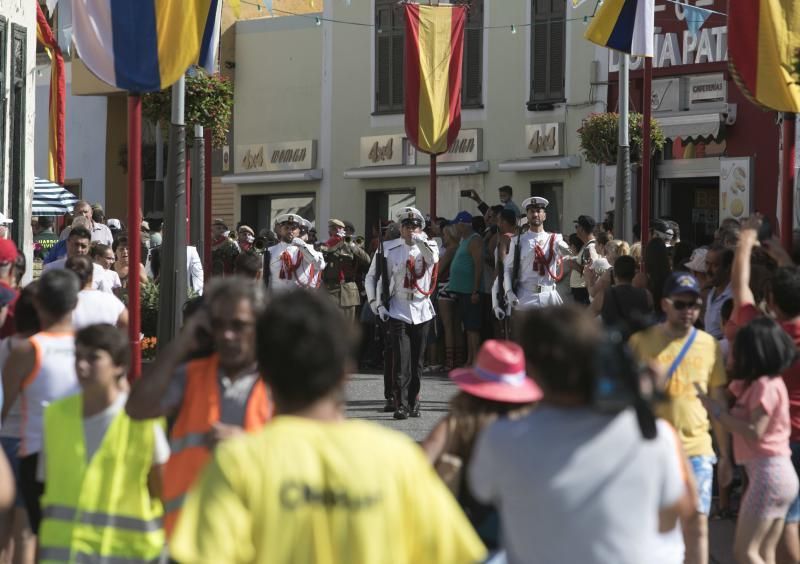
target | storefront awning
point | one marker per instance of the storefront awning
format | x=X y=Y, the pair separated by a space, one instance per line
x=694 y=126
x=442 y=169
x=541 y=163
x=278 y=176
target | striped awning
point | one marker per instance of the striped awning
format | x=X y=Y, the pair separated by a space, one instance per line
x=50 y=198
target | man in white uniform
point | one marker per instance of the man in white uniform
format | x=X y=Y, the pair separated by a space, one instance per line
x=411 y=267
x=533 y=266
x=292 y=263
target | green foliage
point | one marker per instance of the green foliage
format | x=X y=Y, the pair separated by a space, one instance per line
x=599 y=137
x=209 y=103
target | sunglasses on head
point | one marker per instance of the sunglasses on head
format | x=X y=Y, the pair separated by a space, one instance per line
x=680 y=305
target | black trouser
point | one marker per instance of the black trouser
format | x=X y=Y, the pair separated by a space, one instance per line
x=31 y=489
x=389 y=381
x=408 y=347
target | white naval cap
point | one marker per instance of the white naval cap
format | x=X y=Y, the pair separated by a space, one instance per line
x=536 y=201
x=410 y=214
x=307 y=225
x=289 y=218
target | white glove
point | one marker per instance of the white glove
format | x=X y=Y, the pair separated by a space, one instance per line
x=374 y=305
x=419 y=237
x=382 y=313
x=299 y=242
x=499 y=313
x=512 y=299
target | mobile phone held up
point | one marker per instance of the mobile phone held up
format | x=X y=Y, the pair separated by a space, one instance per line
x=765 y=230
x=466 y=193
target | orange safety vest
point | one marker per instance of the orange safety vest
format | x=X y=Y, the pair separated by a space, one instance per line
x=200 y=410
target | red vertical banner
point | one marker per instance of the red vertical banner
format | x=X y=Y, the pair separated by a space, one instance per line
x=57 y=103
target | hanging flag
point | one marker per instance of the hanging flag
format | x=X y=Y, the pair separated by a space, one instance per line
x=56 y=160
x=210 y=44
x=143 y=45
x=624 y=25
x=763 y=36
x=695 y=18
x=434 y=50
x=236 y=6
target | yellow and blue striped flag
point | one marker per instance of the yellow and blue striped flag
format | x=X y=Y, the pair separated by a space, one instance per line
x=145 y=45
x=624 y=25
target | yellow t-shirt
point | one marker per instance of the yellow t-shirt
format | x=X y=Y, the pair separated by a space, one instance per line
x=702 y=365
x=324 y=493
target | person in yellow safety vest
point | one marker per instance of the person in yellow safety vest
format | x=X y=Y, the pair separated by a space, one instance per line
x=211 y=397
x=102 y=469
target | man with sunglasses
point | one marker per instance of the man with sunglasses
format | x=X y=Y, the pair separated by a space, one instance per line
x=533 y=264
x=692 y=362
x=411 y=266
x=292 y=263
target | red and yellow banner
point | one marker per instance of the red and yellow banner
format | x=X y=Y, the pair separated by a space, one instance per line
x=56 y=144
x=434 y=52
x=763 y=36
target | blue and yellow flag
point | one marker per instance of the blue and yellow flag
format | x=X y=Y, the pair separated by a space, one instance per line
x=624 y=25
x=145 y=45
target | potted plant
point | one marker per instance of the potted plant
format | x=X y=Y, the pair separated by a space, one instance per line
x=599 y=137
x=208 y=103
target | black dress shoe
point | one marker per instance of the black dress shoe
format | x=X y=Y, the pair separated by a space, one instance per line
x=401 y=413
x=389 y=406
x=415 y=411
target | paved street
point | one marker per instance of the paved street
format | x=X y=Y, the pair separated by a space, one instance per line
x=365 y=401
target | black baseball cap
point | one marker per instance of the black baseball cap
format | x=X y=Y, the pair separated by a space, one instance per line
x=586 y=222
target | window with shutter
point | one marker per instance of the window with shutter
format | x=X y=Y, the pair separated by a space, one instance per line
x=389 y=46
x=548 y=53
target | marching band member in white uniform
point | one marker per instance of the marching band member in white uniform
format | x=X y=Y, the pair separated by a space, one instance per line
x=292 y=263
x=412 y=266
x=539 y=266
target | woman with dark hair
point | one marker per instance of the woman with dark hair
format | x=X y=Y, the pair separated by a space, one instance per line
x=760 y=424
x=657 y=268
x=122 y=264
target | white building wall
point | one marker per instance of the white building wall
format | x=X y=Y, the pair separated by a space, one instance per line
x=85 y=132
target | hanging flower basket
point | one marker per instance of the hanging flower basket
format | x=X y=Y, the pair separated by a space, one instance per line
x=208 y=102
x=599 y=137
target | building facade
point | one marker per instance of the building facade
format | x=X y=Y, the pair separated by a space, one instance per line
x=319 y=126
x=722 y=153
x=17 y=114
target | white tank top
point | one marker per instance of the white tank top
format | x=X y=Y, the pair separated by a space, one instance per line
x=53 y=377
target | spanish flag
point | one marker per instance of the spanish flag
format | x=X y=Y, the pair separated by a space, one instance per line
x=763 y=38
x=624 y=25
x=144 y=45
x=434 y=51
x=56 y=145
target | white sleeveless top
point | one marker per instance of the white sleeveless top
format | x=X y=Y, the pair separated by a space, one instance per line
x=53 y=377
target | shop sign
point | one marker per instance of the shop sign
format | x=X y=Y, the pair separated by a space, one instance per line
x=734 y=187
x=667 y=95
x=707 y=90
x=386 y=150
x=675 y=45
x=273 y=157
x=468 y=147
x=544 y=139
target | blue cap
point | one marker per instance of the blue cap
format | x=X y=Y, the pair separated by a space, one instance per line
x=462 y=217
x=681 y=283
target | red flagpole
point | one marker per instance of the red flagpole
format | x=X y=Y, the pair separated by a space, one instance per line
x=787 y=182
x=433 y=188
x=134 y=230
x=207 y=207
x=644 y=199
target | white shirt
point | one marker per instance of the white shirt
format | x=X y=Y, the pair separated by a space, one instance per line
x=529 y=278
x=408 y=304
x=95 y=307
x=100 y=280
x=308 y=270
x=194 y=270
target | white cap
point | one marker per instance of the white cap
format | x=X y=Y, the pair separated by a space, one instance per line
x=535 y=201
x=113 y=223
x=289 y=218
x=698 y=261
x=409 y=213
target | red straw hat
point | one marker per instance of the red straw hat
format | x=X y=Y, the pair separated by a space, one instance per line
x=498 y=375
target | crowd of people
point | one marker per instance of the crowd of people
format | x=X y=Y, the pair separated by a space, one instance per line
x=607 y=389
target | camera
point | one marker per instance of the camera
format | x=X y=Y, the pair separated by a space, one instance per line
x=466 y=193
